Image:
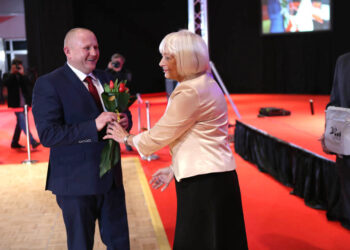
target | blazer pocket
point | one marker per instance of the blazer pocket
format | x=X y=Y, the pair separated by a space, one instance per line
x=85 y=141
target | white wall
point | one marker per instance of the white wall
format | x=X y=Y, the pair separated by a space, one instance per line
x=11 y=7
x=13 y=28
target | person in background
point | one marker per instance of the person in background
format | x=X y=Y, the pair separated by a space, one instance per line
x=18 y=94
x=195 y=126
x=2 y=99
x=118 y=71
x=275 y=12
x=340 y=97
x=70 y=119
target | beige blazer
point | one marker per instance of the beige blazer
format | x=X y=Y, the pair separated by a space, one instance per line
x=195 y=126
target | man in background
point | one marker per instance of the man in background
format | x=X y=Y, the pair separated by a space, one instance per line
x=340 y=97
x=2 y=100
x=118 y=71
x=19 y=93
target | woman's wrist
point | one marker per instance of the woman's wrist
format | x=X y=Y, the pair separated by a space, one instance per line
x=125 y=140
x=128 y=140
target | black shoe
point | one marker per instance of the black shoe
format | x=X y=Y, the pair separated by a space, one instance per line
x=16 y=145
x=345 y=224
x=35 y=144
x=128 y=147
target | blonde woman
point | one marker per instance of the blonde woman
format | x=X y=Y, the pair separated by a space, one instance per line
x=195 y=126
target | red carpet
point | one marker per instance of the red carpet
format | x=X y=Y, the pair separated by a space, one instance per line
x=15 y=156
x=274 y=218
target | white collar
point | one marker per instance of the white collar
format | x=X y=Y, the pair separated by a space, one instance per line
x=80 y=74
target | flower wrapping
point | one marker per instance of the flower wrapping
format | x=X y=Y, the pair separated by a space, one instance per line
x=116 y=98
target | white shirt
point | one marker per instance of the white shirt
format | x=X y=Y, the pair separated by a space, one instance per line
x=95 y=81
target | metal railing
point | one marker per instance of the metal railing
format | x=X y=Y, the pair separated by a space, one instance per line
x=139 y=123
x=28 y=161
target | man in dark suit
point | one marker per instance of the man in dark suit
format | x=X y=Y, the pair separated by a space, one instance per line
x=340 y=97
x=19 y=93
x=71 y=121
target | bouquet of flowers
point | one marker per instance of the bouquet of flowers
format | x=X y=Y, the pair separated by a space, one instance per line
x=116 y=98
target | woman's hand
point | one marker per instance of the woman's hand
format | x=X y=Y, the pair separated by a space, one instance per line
x=162 y=177
x=115 y=132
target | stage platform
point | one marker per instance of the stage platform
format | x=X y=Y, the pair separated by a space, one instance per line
x=288 y=147
x=274 y=219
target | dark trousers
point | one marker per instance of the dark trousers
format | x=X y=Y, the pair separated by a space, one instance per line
x=81 y=212
x=343 y=170
x=2 y=99
x=20 y=126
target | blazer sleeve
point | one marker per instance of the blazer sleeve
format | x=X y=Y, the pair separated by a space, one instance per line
x=48 y=112
x=341 y=89
x=335 y=98
x=181 y=114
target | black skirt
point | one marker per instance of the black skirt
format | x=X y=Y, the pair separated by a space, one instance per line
x=209 y=213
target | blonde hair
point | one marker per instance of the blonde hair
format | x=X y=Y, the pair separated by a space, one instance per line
x=190 y=52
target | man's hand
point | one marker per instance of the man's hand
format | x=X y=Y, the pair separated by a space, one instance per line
x=324 y=148
x=104 y=118
x=162 y=177
x=110 y=65
x=124 y=121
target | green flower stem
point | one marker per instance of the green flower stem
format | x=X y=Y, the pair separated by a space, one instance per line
x=109 y=156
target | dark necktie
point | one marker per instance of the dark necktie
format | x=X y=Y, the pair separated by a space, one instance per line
x=93 y=92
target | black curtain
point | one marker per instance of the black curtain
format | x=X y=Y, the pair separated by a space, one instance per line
x=247 y=61
x=46 y=25
x=252 y=63
x=132 y=28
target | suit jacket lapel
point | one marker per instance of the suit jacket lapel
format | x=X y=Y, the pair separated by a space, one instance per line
x=78 y=85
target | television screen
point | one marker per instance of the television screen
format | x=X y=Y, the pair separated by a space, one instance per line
x=289 y=16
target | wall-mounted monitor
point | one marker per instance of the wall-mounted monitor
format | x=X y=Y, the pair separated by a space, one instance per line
x=293 y=16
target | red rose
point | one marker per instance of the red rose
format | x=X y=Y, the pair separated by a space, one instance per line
x=111 y=85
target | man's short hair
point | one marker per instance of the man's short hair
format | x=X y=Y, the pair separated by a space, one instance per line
x=190 y=52
x=16 y=61
x=116 y=56
x=71 y=34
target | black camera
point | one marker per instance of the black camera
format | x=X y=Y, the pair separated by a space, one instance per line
x=18 y=67
x=116 y=64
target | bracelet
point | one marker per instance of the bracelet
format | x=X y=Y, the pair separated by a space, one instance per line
x=126 y=139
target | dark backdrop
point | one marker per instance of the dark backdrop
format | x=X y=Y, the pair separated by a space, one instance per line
x=132 y=28
x=293 y=63
x=247 y=61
